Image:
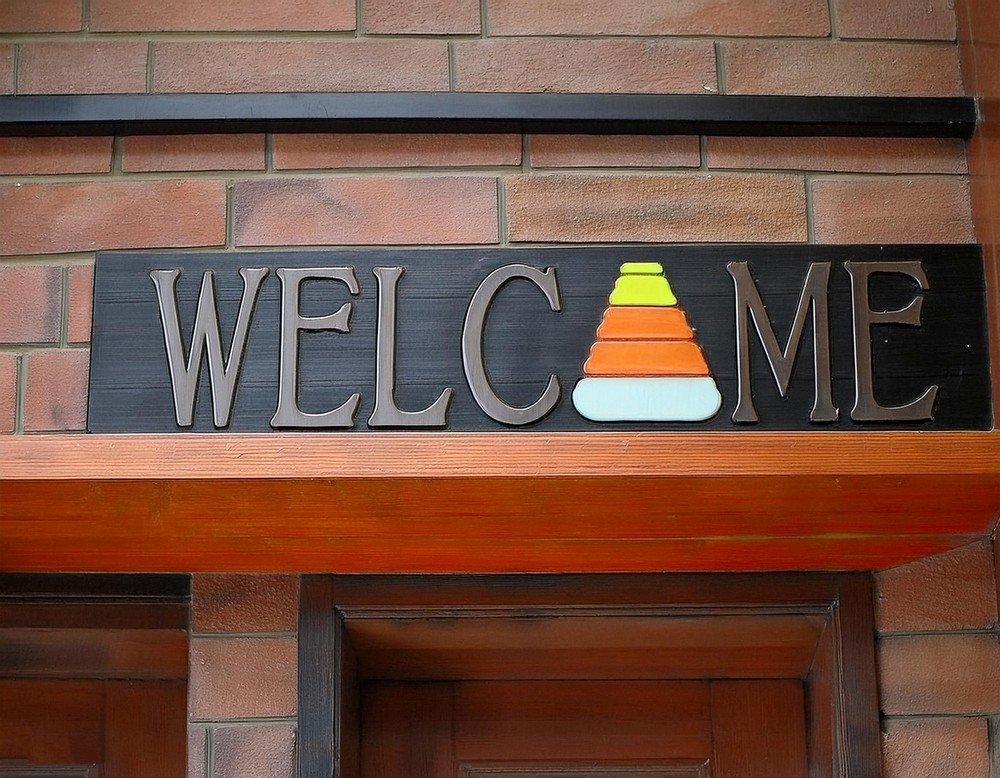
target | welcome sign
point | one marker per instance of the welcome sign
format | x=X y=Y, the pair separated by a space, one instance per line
x=546 y=339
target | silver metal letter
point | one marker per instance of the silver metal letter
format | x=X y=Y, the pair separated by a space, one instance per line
x=866 y=408
x=387 y=413
x=472 y=346
x=205 y=339
x=288 y=413
x=814 y=293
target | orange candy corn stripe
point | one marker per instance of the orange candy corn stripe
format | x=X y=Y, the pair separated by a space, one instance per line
x=644 y=323
x=645 y=358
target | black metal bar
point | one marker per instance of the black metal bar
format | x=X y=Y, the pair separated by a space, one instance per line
x=480 y=112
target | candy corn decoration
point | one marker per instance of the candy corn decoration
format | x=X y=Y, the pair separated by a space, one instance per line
x=645 y=364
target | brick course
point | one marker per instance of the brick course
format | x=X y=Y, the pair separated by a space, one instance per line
x=615 y=151
x=40 y=156
x=389 y=150
x=221 y=15
x=153 y=153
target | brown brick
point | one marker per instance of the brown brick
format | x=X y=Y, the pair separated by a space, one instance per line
x=940 y=674
x=221 y=15
x=254 y=752
x=30 y=304
x=91 y=67
x=8 y=391
x=81 y=296
x=861 y=155
x=615 y=151
x=39 y=156
x=197 y=758
x=824 y=68
x=953 y=747
x=6 y=69
x=655 y=17
x=56 y=397
x=40 y=15
x=373 y=150
x=365 y=210
x=52 y=218
x=570 y=65
x=892 y=210
x=244 y=603
x=650 y=208
x=151 y=153
x=950 y=591
x=911 y=19
x=301 y=66
x=236 y=678
x=440 y=17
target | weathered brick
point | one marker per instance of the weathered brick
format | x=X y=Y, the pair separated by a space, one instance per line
x=53 y=218
x=824 y=68
x=81 y=296
x=911 y=19
x=254 y=752
x=244 y=603
x=8 y=391
x=40 y=156
x=373 y=150
x=615 y=151
x=365 y=210
x=654 y=17
x=953 y=747
x=197 y=758
x=301 y=66
x=221 y=15
x=6 y=69
x=861 y=155
x=40 y=15
x=90 y=67
x=651 y=208
x=892 y=210
x=56 y=396
x=30 y=304
x=571 y=65
x=442 y=17
x=151 y=153
x=940 y=674
x=950 y=591
x=236 y=678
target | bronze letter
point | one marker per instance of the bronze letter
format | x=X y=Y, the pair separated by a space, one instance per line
x=866 y=408
x=288 y=413
x=814 y=293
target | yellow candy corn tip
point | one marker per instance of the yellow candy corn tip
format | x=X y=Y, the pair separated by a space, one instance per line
x=641 y=268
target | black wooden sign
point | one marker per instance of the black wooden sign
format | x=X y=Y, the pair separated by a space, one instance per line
x=550 y=339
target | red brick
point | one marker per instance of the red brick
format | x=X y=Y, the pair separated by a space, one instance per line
x=236 y=678
x=861 y=155
x=39 y=156
x=244 y=603
x=892 y=210
x=373 y=150
x=56 y=397
x=81 y=296
x=40 y=15
x=440 y=17
x=221 y=15
x=6 y=69
x=940 y=674
x=91 y=67
x=8 y=391
x=911 y=19
x=197 y=758
x=650 y=208
x=301 y=66
x=570 y=65
x=823 y=68
x=655 y=17
x=345 y=211
x=953 y=747
x=52 y=218
x=30 y=304
x=950 y=591
x=150 y=153
x=615 y=151
x=254 y=752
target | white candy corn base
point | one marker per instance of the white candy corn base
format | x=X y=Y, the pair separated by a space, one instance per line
x=672 y=398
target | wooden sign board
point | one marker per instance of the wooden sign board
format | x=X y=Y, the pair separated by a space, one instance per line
x=762 y=337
